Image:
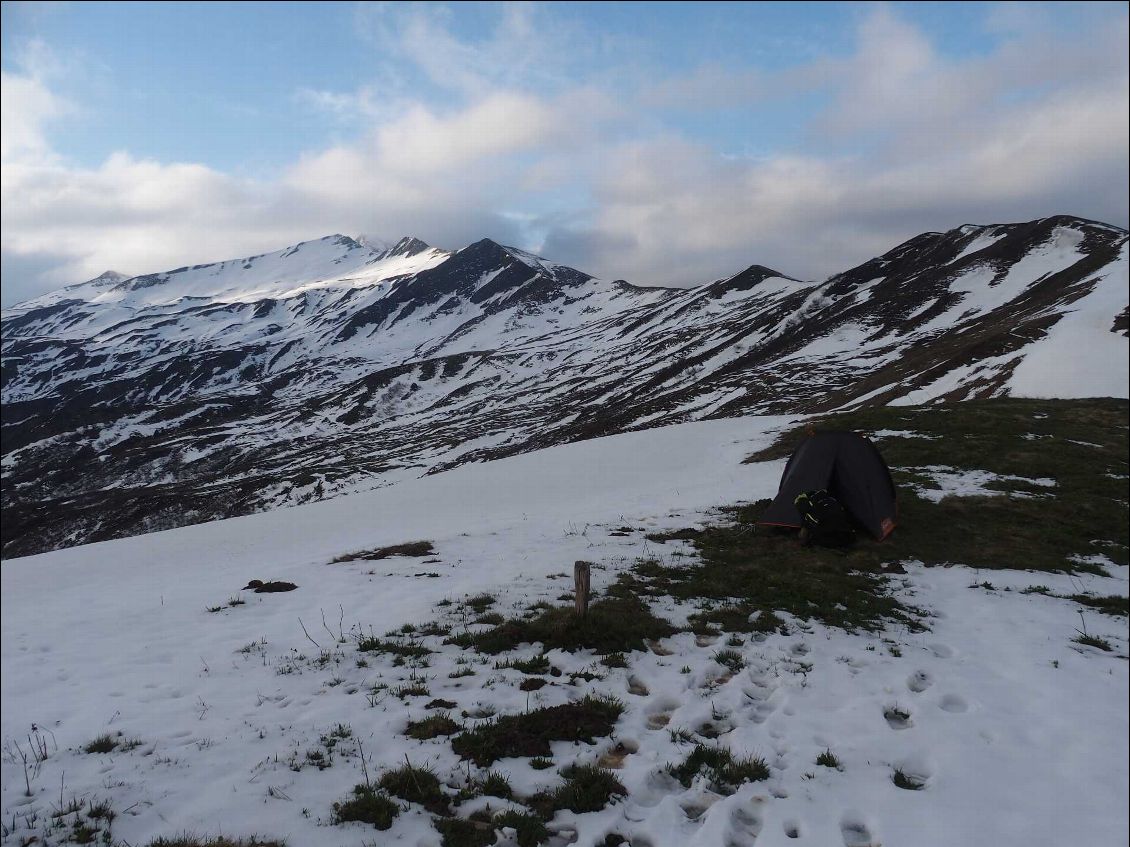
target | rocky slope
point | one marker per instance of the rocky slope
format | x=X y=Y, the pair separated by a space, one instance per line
x=132 y=405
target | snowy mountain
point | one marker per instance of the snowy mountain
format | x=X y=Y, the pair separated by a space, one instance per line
x=341 y=365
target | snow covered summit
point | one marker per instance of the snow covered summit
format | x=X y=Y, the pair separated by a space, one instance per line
x=340 y=365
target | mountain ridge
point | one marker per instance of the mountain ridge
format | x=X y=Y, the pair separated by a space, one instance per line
x=220 y=394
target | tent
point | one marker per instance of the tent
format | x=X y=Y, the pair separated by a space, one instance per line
x=851 y=469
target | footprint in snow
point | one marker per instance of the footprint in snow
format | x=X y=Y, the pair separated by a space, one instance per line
x=919 y=681
x=793 y=828
x=954 y=703
x=943 y=651
x=745 y=826
x=898 y=717
x=855 y=831
x=637 y=687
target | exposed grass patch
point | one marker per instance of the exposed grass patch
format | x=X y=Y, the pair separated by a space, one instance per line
x=412 y=548
x=411 y=688
x=109 y=742
x=747 y=573
x=828 y=759
x=480 y=602
x=496 y=785
x=540 y=763
x=1109 y=605
x=490 y=619
x=688 y=534
x=613 y=625
x=188 y=840
x=530 y=828
x=725 y=771
x=416 y=785
x=462 y=640
x=1093 y=641
x=586 y=789
x=731 y=659
x=367 y=805
x=1081 y=444
x=536 y=665
x=370 y=644
x=614 y=660
x=432 y=726
x=530 y=734
x=907 y=782
x=460 y=832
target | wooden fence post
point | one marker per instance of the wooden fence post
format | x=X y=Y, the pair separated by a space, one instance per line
x=581 y=579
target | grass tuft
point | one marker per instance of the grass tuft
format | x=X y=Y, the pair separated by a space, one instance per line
x=907 y=782
x=432 y=726
x=367 y=805
x=587 y=788
x=724 y=771
x=828 y=759
x=416 y=785
x=529 y=827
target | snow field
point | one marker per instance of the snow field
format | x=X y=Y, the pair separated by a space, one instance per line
x=1018 y=735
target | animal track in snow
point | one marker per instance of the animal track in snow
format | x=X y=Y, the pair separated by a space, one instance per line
x=943 y=651
x=636 y=686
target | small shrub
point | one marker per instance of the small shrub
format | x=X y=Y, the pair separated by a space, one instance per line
x=367 y=806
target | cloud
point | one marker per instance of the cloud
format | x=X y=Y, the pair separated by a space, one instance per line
x=27 y=104
x=524 y=148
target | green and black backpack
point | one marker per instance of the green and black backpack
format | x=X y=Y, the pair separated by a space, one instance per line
x=824 y=521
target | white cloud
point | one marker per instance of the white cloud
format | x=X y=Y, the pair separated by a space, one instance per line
x=911 y=140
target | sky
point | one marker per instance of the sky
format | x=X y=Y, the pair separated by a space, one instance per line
x=659 y=143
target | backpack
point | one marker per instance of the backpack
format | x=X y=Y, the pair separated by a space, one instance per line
x=823 y=520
